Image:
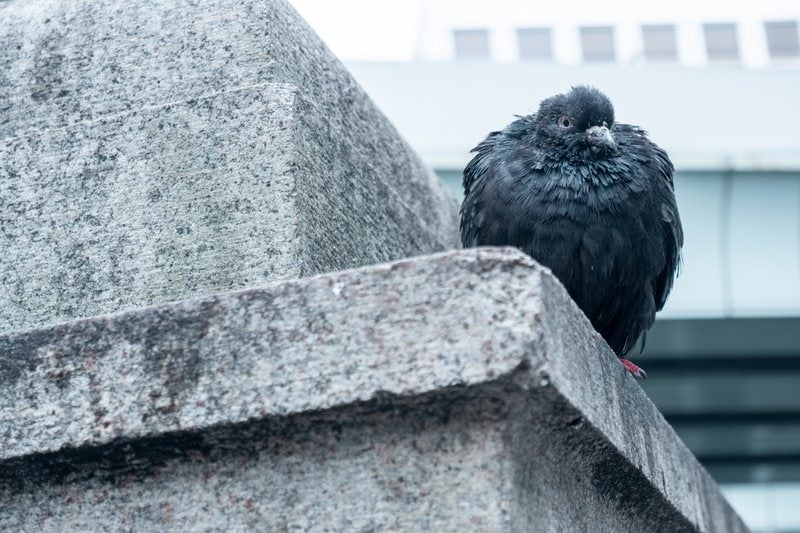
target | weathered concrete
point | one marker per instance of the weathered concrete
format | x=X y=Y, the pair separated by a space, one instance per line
x=157 y=150
x=463 y=391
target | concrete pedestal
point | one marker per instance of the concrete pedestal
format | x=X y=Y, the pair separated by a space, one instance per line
x=463 y=391
x=156 y=150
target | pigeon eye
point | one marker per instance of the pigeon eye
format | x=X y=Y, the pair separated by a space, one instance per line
x=565 y=122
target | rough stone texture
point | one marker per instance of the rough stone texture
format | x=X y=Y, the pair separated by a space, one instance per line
x=463 y=391
x=157 y=150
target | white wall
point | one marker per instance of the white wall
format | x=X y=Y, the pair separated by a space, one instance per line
x=407 y=30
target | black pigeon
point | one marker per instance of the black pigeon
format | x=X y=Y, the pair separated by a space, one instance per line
x=592 y=200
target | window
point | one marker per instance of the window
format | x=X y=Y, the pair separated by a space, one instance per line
x=659 y=42
x=472 y=44
x=782 y=39
x=535 y=44
x=721 y=42
x=597 y=43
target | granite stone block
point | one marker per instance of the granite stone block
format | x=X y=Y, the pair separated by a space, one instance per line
x=158 y=150
x=456 y=392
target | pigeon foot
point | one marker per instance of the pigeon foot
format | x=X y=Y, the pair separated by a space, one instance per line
x=633 y=368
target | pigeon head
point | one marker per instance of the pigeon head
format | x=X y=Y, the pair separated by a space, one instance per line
x=578 y=123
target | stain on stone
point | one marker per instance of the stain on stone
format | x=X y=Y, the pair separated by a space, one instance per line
x=48 y=68
x=18 y=352
x=22 y=352
x=171 y=341
x=576 y=422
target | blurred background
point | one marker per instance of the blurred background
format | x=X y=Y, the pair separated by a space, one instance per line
x=716 y=83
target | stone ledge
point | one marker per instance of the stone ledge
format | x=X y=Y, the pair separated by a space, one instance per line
x=464 y=377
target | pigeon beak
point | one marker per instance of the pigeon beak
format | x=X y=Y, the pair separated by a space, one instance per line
x=600 y=137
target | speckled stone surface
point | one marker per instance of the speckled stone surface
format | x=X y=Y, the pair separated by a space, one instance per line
x=457 y=392
x=153 y=150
